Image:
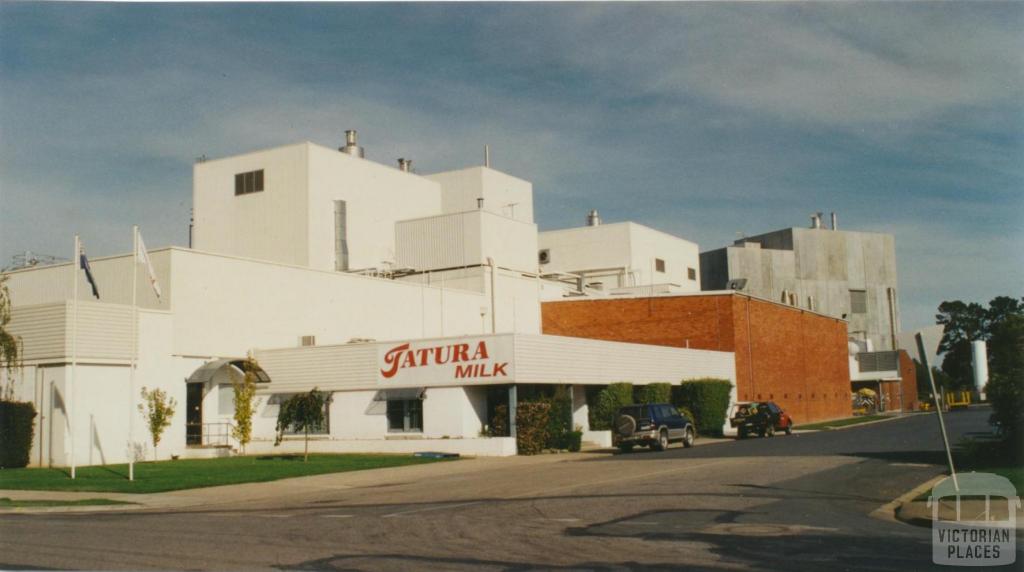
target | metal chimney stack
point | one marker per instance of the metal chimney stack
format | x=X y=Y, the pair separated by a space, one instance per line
x=834 y=221
x=487 y=156
x=351 y=146
x=593 y=219
x=405 y=165
x=816 y=220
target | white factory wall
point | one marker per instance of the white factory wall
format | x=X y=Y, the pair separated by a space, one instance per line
x=627 y=246
x=646 y=244
x=268 y=225
x=99 y=408
x=503 y=194
x=376 y=196
x=466 y=239
x=224 y=306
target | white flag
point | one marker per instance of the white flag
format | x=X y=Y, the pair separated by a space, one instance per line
x=144 y=257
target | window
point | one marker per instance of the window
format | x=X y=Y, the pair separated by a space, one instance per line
x=858 y=301
x=251 y=182
x=691 y=273
x=659 y=265
x=405 y=416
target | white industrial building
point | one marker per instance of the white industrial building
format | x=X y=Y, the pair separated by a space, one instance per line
x=620 y=259
x=327 y=267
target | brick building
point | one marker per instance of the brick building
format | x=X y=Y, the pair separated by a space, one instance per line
x=792 y=356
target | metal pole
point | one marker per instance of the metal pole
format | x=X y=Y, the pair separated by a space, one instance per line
x=513 y=404
x=135 y=352
x=75 y=265
x=938 y=408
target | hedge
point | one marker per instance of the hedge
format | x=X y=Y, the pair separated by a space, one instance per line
x=689 y=414
x=16 y=431
x=708 y=399
x=654 y=393
x=559 y=427
x=609 y=400
x=532 y=427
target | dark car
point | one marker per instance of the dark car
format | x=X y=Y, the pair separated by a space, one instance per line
x=654 y=425
x=763 y=418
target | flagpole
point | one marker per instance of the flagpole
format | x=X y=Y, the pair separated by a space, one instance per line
x=135 y=352
x=76 y=264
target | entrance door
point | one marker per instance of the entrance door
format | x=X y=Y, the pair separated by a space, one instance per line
x=194 y=414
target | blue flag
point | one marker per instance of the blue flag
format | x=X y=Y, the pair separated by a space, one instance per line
x=88 y=273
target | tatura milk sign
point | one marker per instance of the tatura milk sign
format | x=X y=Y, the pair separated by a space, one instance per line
x=446 y=362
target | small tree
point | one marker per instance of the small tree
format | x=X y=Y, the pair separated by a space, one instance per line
x=302 y=412
x=245 y=404
x=159 y=409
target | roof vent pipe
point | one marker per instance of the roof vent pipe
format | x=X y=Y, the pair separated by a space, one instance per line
x=834 y=221
x=816 y=220
x=593 y=219
x=487 y=156
x=405 y=165
x=351 y=146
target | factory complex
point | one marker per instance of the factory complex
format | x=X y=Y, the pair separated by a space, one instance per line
x=422 y=303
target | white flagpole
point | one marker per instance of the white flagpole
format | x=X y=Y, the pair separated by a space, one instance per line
x=135 y=353
x=75 y=266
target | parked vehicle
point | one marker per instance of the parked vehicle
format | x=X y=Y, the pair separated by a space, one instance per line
x=763 y=418
x=654 y=425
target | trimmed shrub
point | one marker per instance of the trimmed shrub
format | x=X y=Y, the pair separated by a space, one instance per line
x=689 y=414
x=560 y=419
x=499 y=423
x=602 y=416
x=654 y=393
x=708 y=398
x=575 y=440
x=17 y=427
x=532 y=427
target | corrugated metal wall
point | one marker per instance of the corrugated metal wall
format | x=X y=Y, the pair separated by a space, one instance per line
x=104 y=331
x=329 y=368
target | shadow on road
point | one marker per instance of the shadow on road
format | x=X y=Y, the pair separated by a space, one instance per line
x=406 y=562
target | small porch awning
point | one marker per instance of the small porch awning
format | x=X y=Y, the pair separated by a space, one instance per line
x=401 y=394
x=209 y=369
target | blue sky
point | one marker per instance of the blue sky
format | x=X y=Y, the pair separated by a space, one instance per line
x=703 y=120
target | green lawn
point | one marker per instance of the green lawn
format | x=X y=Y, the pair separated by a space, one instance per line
x=841 y=422
x=194 y=473
x=8 y=503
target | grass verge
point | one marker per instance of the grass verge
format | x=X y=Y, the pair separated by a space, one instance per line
x=155 y=477
x=31 y=503
x=824 y=425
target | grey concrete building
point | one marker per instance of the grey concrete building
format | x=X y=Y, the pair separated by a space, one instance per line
x=846 y=274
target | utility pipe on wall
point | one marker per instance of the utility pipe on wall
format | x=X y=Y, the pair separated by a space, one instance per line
x=494 y=320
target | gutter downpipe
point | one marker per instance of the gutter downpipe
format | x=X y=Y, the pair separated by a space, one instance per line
x=494 y=319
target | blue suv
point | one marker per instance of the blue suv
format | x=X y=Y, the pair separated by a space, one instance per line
x=654 y=425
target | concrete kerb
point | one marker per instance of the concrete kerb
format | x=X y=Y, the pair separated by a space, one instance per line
x=893 y=417
x=889 y=511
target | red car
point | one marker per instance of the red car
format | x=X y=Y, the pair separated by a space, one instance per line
x=763 y=418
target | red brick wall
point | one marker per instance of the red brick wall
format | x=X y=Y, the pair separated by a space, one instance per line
x=909 y=375
x=795 y=358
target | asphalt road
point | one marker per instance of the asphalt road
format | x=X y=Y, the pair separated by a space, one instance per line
x=789 y=503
